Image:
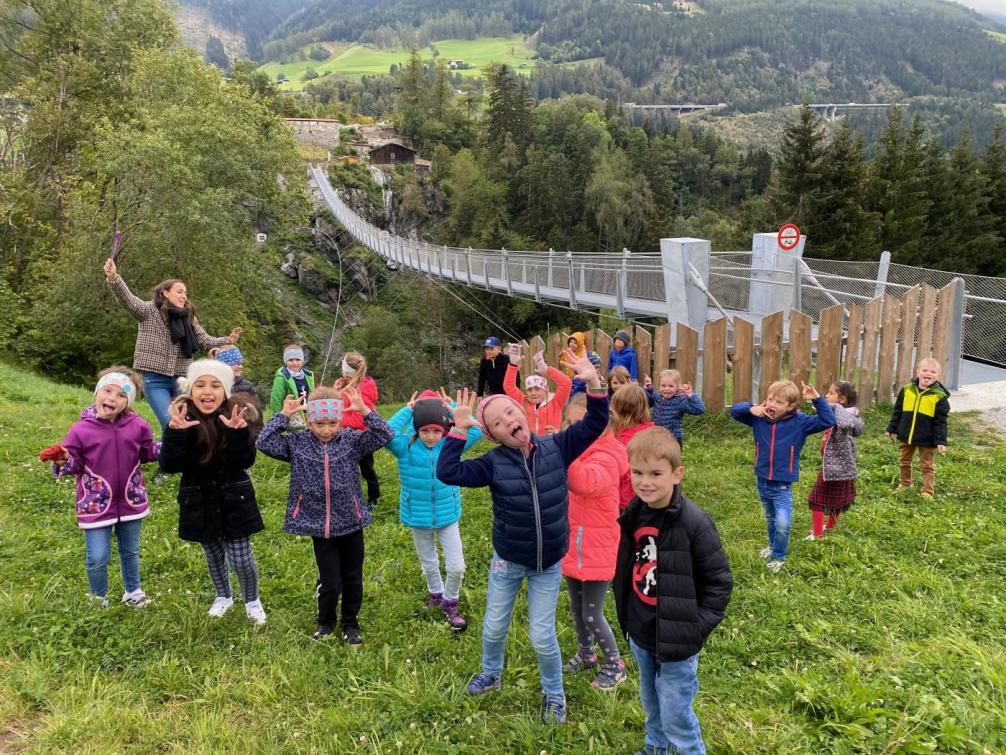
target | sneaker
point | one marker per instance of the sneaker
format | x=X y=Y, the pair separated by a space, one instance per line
x=372 y=503
x=610 y=675
x=101 y=600
x=456 y=620
x=351 y=636
x=765 y=553
x=323 y=631
x=581 y=661
x=812 y=536
x=553 y=709
x=137 y=598
x=255 y=612
x=482 y=683
x=220 y=607
x=434 y=600
x=775 y=566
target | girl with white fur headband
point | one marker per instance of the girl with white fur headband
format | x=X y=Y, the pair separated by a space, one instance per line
x=208 y=440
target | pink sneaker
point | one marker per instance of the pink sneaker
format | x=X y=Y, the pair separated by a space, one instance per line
x=456 y=620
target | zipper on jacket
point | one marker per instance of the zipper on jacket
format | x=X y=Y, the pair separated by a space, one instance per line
x=915 y=414
x=296 y=506
x=356 y=505
x=757 y=449
x=534 y=501
x=579 y=547
x=771 y=451
x=328 y=495
x=791 y=450
x=433 y=491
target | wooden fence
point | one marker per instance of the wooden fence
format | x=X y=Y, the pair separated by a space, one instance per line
x=875 y=346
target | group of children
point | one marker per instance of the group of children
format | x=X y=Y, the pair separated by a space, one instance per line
x=583 y=485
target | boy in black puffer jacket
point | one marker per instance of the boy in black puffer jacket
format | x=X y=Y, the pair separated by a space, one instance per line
x=672 y=585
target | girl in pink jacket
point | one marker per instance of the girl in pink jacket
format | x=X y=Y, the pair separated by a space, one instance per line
x=589 y=564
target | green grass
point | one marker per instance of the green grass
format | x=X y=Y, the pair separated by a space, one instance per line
x=885 y=637
x=354 y=60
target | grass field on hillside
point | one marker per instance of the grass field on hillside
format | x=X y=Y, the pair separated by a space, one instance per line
x=885 y=637
x=353 y=60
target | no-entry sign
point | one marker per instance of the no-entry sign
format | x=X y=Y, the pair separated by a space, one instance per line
x=789 y=237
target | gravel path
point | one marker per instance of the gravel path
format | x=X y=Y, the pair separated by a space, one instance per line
x=987 y=398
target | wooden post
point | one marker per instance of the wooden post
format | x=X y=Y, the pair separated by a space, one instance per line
x=855 y=340
x=944 y=321
x=588 y=339
x=552 y=349
x=714 y=364
x=799 y=347
x=888 y=342
x=927 y=321
x=644 y=347
x=829 y=347
x=661 y=349
x=743 y=361
x=906 y=337
x=686 y=359
x=871 y=329
x=603 y=349
x=770 y=351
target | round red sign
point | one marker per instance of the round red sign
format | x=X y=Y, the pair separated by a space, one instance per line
x=789 y=237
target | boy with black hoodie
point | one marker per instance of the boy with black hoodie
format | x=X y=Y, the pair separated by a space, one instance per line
x=672 y=585
x=919 y=421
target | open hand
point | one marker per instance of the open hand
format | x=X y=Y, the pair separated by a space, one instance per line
x=464 y=412
x=513 y=351
x=293 y=405
x=110 y=270
x=234 y=336
x=647 y=383
x=237 y=419
x=179 y=418
x=758 y=410
x=686 y=388
x=809 y=391
x=412 y=401
x=581 y=367
x=356 y=403
x=540 y=368
x=445 y=398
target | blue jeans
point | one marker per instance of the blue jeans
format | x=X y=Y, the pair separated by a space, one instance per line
x=98 y=549
x=667 y=691
x=777 y=501
x=159 y=390
x=505 y=579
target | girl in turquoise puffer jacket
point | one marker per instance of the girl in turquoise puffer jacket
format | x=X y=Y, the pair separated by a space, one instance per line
x=427 y=506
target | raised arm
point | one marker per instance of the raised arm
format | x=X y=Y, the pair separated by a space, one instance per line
x=741 y=412
x=474 y=473
x=139 y=309
x=207 y=341
x=821 y=421
x=563 y=385
x=272 y=441
x=510 y=384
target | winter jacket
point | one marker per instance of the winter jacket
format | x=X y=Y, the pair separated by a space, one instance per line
x=325 y=497
x=694 y=582
x=284 y=385
x=625 y=358
x=491 y=375
x=838 y=448
x=216 y=500
x=105 y=455
x=920 y=416
x=778 y=443
x=368 y=392
x=244 y=385
x=667 y=412
x=580 y=350
x=625 y=484
x=530 y=505
x=549 y=412
x=593 y=510
x=425 y=502
x=154 y=351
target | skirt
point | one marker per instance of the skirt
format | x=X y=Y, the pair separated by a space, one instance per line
x=832 y=495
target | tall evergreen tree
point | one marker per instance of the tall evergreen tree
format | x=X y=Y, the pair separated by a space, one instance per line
x=798 y=186
x=509 y=112
x=994 y=169
x=845 y=229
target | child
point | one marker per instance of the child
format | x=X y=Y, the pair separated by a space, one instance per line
x=526 y=475
x=618 y=377
x=589 y=563
x=673 y=401
x=291 y=380
x=623 y=355
x=543 y=409
x=354 y=375
x=577 y=344
x=426 y=506
x=919 y=421
x=232 y=356
x=209 y=442
x=492 y=369
x=835 y=489
x=325 y=495
x=104 y=450
x=578 y=385
x=672 y=586
x=780 y=431
x=630 y=414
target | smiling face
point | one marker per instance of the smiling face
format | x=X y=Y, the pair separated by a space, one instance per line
x=207 y=394
x=177 y=295
x=668 y=387
x=776 y=407
x=324 y=430
x=294 y=365
x=928 y=373
x=507 y=424
x=653 y=480
x=536 y=395
x=110 y=402
x=430 y=436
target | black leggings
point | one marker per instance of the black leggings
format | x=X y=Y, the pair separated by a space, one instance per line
x=370 y=477
x=340 y=570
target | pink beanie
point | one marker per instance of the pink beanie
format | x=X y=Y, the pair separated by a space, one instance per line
x=481 y=411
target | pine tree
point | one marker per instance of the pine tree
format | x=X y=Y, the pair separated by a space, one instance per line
x=845 y=229
x=994 y=169
x=798 y=186
x=509 y=111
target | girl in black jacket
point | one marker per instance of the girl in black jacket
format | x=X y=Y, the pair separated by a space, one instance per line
x=209 y=442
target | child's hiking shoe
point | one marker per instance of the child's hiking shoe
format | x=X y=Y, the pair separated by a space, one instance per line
x=100 y=600
x=581 y=661
x=434 y=600
x=351 y=636
x=775 y=566
x=456 y=620
x=372 y=503
x=610 y=675
x=255 y=612
x=137 y=598
x=765 y=553
x=220 y=607
x=553 y=709
x=324 y=630
x=482 y=683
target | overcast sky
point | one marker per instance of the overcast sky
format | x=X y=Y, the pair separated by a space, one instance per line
x=996 y=6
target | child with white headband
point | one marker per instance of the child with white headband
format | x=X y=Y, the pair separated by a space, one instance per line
x=292 y=379
x=104 y=450
x=543 y=409
x=326 y=501
x=354 y=375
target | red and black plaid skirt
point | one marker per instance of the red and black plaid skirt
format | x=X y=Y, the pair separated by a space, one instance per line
x=831 y=495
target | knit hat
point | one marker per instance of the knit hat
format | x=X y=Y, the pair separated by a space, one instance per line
x=121 y=381
x=429 y=411
x=481 y=411
x=230 y=356
x=624 y=337
x=536 y=381
x=211 y=367
x=594 y=358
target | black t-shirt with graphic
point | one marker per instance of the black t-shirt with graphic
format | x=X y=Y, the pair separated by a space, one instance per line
x=643 y=603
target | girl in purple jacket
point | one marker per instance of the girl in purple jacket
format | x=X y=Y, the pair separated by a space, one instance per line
x=104 y=450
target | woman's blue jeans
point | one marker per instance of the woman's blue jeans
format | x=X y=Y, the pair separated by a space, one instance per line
x=160 y=390
x=98 y=550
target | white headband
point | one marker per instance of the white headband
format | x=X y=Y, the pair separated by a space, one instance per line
x=120 y=380
x=536 y=381
x=346 y=369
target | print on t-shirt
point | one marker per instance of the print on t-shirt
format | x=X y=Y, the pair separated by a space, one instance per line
x=644 y=567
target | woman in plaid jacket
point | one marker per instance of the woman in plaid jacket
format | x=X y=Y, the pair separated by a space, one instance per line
x=168 y=335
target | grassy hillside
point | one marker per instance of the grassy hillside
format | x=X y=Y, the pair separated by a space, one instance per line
x=354 y=60
x=886 y=637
